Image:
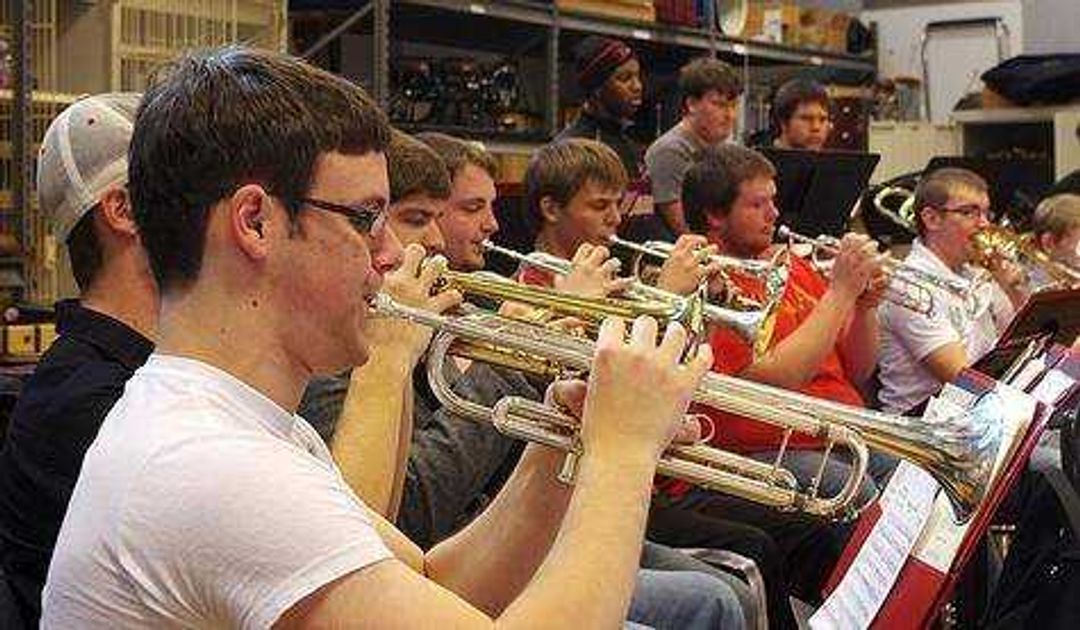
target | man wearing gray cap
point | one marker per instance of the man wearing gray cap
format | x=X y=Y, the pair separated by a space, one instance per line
x=104 y=335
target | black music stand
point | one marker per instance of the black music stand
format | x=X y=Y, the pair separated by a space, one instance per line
x=1048 y=317
x=816 y=190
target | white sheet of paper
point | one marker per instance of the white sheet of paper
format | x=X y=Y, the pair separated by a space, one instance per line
x=1052 y=386
x=913 y=521
x=905 y=506
x=942 y=537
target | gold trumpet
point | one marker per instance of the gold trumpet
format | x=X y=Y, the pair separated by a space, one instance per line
x=755 y=326
x=590 y=310
x=996 y=242
x=910 y=287
x=958 y=453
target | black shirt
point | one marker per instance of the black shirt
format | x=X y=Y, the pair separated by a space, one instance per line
x=610 y=132
x=56 y=418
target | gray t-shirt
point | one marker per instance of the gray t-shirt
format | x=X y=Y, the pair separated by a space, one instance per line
x=667 y=160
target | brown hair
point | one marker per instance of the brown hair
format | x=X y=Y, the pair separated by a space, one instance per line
x=703 y=74
x=712 y=183
x=456 y=153
x=936 y=188
x=560 y=169
x=415 y=168
x=1056 y=215
x=794 y=93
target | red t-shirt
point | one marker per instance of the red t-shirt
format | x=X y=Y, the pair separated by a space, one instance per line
x=732 y=354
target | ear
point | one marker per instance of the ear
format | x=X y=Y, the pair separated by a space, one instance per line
x=549 y=209
x=715 y=221
x=249 y=217
x=930 y=219
x=116 y=211
x=1046 y=241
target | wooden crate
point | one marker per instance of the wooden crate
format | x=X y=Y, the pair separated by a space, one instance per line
x=637 y=10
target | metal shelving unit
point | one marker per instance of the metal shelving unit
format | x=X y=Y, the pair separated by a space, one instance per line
x=450 y=21
x=700 y=38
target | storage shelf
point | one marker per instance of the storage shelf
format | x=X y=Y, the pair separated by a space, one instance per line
x=697 y=38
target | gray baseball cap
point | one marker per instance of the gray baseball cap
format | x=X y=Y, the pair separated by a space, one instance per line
x=83 y=154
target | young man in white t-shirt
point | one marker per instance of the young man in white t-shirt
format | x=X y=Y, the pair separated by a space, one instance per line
x=258 y=184
x=922 y=351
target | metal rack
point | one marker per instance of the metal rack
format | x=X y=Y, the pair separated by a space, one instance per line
x=548 y=21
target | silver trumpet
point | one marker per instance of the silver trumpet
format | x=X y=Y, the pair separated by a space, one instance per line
x=752 y=325
x=909 y=287
x=959 y=453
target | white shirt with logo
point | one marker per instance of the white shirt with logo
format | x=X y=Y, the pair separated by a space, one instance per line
x=908 y=337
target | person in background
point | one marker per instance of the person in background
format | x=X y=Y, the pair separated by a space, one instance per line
x=710 y=91
x=609 y=74
x=801 y=115
x=104 y=335
x=922 y=351
x=1056 y=229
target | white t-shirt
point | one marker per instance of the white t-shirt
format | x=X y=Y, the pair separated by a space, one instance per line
x=202 y=504
x=908 y=337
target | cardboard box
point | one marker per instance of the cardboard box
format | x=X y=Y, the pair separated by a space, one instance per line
x=637 y=10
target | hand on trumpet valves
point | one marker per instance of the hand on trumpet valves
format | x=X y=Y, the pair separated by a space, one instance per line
x=1011 y=276
x=617 y=425
x=688 y=265
x=592 y=273
x=411 y=284
x=856 y=264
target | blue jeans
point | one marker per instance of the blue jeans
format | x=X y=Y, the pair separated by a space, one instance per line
x=683 y=599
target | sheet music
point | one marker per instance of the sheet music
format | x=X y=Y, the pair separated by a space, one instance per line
x=941 y=539
x=1031 y=371
x=1051 y=388
x=914 y=522
x=905 y=506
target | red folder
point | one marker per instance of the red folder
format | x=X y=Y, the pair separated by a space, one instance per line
x=920 y=590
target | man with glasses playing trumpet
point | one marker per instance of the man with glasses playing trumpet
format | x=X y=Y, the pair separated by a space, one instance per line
x=920 y=351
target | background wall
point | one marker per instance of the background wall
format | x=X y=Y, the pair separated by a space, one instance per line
x=1050 y=26
x=958 y=57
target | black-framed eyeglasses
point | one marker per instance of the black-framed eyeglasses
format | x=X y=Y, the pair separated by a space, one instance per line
x=969 y=211
x=363 y=217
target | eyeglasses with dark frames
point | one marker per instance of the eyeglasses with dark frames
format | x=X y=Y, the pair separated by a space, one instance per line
x=363 y=217
x=969 y=211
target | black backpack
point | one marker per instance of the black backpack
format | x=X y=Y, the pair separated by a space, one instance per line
x=1036 y=79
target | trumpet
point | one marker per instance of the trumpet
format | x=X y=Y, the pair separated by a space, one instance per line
x=688 y=312
x=773 y=274
x=996 y=242
x=909 y=288
x=661 y=250
x=755 y=326
x=958 y=453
